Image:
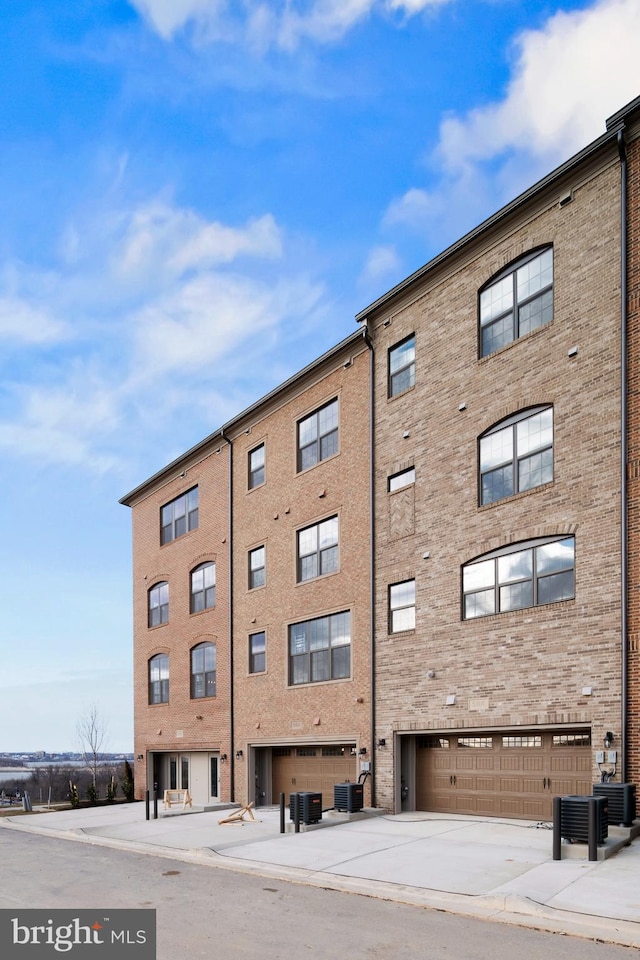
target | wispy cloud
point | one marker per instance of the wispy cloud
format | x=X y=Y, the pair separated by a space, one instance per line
x=284 y=25
x=159 y=294
x=567 y=77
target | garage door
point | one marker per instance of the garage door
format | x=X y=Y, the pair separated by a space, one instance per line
x=311 y=768
x=506 y=775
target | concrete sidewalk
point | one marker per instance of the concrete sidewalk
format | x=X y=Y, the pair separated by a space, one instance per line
x=498 y=869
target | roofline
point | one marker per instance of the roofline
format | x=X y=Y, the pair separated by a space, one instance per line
x=614 y=124
x=218 y=436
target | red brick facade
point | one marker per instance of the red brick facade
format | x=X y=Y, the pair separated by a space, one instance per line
x=542 y=676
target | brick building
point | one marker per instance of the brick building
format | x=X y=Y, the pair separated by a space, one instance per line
x=252 y=607
x=501 y=665
x=426 y=543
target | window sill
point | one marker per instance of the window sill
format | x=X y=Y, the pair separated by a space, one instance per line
x=513 y=343
x=516 y=496
x=403 y=393
x=318 y=463
x=321 y=576
x=317 y=683
x=198 y=613
x=523 y=611
x=401 y=633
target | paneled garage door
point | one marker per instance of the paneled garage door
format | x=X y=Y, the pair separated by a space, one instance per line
x=506 y=775
x=311 y=768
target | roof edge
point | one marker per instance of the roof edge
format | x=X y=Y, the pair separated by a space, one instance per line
x=218 y=436
x=521 y=200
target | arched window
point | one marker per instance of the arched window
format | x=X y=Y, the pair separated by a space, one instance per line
x=203 y=671
x=527 y=574
x=203 y=587
x=516 y=454
x=159 y=604
x=159 y=678
x=517 y=301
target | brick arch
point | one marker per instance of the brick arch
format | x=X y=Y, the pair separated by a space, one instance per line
x=506 y=411
x=509 y=258
x=154 y=578
x=155 y=651
x=543 y=530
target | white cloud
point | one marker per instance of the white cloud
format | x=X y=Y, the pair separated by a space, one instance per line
x=381 y=262
x=203 y=321
x=567 y=78
x=264 y=23
x=169 y=16
x=145 y=293
x=27 y=323
x=163 y=241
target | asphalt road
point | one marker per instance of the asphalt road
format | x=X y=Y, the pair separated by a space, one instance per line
x=203 y=911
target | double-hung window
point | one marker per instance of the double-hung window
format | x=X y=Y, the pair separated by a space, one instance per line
x=402 y=606
x=158 y=612
x=402 y=366
x=203 y=587
x=256 y=466
x=516 y=455
x=318 y=549
x=159 y=678
x=517 y=301
x=179 y=516
x=318 y=436
x=203 y=671
x=527 y=574
x=257 y=569
x=320 y=649
x=257 y=652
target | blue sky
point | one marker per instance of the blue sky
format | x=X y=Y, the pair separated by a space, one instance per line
x=196 y=197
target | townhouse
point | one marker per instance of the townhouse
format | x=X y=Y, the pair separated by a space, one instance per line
x=416 y=562
x=252 y=597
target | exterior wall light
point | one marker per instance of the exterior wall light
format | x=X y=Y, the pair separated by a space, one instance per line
x=238 y=754
x=608 y=739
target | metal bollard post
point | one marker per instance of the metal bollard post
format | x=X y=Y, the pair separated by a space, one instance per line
x=592 y=813
x=146 y=804
x=296 y=812
x=557 y=827
x=155 y=801
x=282 y=813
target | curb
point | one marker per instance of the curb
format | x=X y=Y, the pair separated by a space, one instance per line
x=508 y=908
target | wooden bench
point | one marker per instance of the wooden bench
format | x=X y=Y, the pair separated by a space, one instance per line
x=172 y=797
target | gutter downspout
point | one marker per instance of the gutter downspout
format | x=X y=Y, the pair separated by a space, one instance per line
x=372 y=554
x=231 y=760
x=624 y=532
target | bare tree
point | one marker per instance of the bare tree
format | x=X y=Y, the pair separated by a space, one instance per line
x=91 y=729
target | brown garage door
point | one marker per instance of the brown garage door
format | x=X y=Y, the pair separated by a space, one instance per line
x=502 y=775
x=311 y=768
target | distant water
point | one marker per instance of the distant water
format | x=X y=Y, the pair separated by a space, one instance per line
x=23 y=773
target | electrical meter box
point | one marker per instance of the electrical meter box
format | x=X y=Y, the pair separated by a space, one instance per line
x=612 y=756
x=599 y=756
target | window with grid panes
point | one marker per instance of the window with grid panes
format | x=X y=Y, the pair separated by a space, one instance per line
x=522 y=575
x=320 y=649
x=179 y=516
x=516 y=455
x=517 y=301
x=318 y=549
x=318 y=436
